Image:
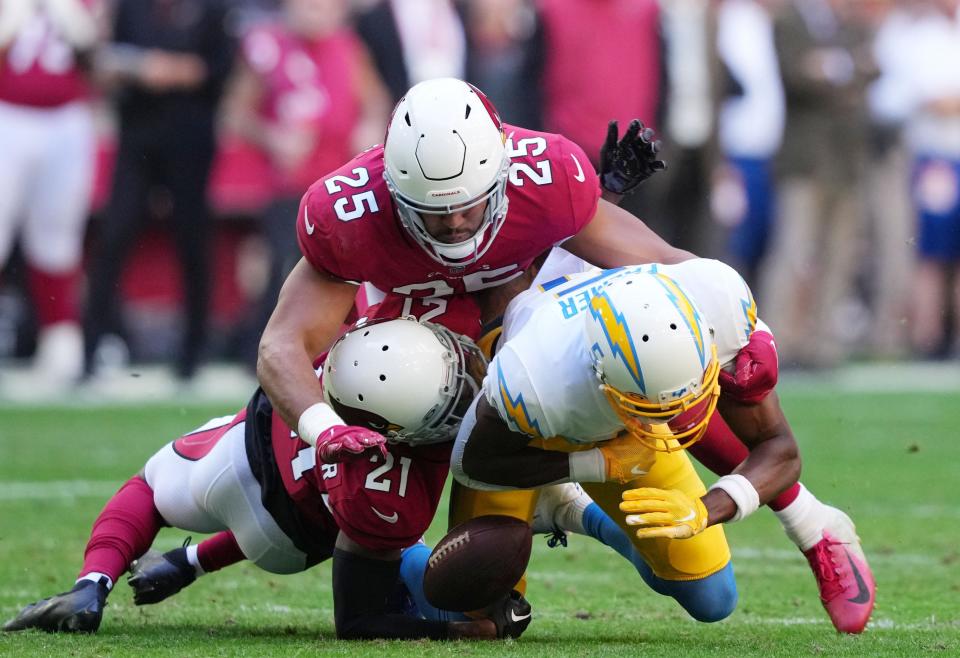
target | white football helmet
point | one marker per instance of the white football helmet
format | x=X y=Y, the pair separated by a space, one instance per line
x=655 y=356
x=445 y=151
x=410 y=381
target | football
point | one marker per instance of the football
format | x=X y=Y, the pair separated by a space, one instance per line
x=477 y=563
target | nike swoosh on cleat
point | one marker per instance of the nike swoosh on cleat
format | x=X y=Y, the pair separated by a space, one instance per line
x=306 y=222
x=637 y=470
x=863 y=592
x=393 y=518
x=515 y=617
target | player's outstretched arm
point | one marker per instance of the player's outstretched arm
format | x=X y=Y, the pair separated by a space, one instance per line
x=774 y=460
x=307 y=319
x=626 y=162
x=614 y=238
x=772 y=465
x=489 y=455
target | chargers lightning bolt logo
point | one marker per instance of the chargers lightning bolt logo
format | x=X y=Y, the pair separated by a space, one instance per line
x=687 y=310
x=618 y=335
x=516 y=409
x=749 y=313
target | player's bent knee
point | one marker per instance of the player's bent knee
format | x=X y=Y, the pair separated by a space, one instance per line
x=276 y=559
x=712 y=598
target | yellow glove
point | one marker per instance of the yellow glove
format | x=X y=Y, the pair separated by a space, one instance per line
x=626 y=457
x=664 y=513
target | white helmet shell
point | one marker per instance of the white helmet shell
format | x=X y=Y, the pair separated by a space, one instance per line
x=408 y=380
x=444 y=151
x=653 y=351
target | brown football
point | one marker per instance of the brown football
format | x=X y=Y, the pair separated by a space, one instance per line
x=477 y=563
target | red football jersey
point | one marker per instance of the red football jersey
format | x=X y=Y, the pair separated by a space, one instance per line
x=348 y=226
x=380 y=503
x=459 y=313
x=39 y=68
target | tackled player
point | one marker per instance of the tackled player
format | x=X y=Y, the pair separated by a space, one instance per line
x=622 y=369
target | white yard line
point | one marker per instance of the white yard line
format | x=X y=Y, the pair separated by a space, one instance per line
x=214 y=384
x=750 y=554
x=58 y=489
x=875 y=624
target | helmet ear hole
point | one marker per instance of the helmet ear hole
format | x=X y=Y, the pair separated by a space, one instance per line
x=383 y=378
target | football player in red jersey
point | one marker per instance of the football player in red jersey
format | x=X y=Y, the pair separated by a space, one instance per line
x=287 y=505
x=456 y=203
x=46 y=172
x=453 y=203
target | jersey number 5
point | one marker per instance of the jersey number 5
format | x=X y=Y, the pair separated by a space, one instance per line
x=358 y=203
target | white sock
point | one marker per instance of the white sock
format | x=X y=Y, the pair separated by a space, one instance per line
x=95 y=576
x=804 y=519
x=194 y=559
x=571 y=513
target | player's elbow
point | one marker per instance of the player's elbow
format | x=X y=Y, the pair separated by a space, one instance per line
x=269 y=353
x=278 y=348
x=475 y=465
x=469 y=463
x=790 y=462
x=473 y=472
x=796 y=466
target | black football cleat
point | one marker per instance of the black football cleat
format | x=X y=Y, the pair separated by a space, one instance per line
x=77 y=611
x=155 y=577
x=511 y=615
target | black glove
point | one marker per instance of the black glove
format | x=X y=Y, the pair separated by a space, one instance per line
x=511 y=615
x=632 y=160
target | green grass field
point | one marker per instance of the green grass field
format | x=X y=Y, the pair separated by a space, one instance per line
x=891 y=460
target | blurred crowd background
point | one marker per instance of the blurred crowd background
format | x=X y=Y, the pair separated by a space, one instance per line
x=153 y=153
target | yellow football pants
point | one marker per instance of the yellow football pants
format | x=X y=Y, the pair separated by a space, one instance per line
x=670 y=559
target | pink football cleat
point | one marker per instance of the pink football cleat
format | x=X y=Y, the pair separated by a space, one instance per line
x=846 y=584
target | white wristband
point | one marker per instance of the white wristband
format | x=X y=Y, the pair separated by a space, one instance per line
x=317 y=419
x=743 y=493
x=588 y=466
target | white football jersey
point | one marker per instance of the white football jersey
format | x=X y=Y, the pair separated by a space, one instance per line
x=542 y=380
